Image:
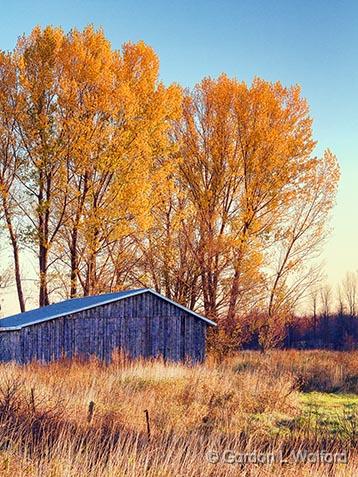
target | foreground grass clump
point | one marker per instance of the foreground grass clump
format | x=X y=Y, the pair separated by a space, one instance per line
x=46 y=430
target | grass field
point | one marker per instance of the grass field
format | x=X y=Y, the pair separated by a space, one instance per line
x=278 y=406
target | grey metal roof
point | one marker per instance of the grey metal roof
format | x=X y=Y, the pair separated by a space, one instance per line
x=75 y=305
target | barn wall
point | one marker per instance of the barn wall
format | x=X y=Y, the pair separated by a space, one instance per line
x=142 y=325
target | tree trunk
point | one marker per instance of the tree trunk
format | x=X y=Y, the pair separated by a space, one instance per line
x=74 y=263
x=91 y=277
x=235 y=287
x=15 y=252
x=43 y=292
x=43 y=216
x=234 y=293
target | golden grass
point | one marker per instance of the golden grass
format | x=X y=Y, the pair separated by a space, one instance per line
x=317 y=370
x=192 y=410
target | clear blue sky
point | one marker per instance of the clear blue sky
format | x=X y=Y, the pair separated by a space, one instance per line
x=313 y=43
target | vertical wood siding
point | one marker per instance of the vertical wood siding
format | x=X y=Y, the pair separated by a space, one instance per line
x=141 y=325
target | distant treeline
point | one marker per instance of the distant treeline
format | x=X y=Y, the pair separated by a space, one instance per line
x=338 y=331
x=335 y=331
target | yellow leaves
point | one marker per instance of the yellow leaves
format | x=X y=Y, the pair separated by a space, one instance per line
x=237 y=144
x=140 y=66
x=38 y=59
x=88 y=76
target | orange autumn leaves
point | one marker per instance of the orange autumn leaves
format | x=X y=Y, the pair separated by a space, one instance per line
x=116 y=180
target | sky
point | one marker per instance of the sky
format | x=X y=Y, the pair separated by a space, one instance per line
x=312 y=43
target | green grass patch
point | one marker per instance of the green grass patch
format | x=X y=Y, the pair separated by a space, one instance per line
x=329 y=402
x=318 y=413
x=330 y=412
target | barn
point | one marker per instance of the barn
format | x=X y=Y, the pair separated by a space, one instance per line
x=139 y=322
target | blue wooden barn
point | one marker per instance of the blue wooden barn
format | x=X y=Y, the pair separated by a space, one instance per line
x=138 y=322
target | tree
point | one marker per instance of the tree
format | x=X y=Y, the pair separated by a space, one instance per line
x=298 y=238
x=168 y=248
x=314 y=299
x=340 y=299
x=41 y=140
x=120 y=116
x=326 y=300
x=10 y=163
x=258 y=194
x=89 y=134
x=350 y=291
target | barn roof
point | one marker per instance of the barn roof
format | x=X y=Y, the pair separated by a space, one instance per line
x=76 y=305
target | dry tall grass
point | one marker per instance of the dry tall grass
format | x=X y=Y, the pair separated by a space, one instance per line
x=318 y=370
x=192 y=410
